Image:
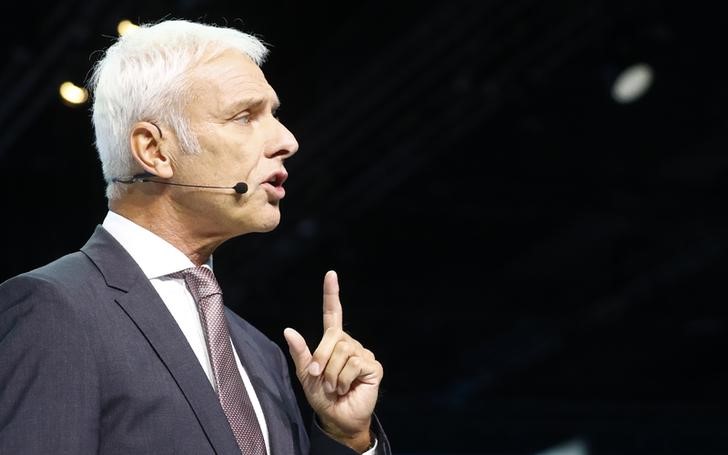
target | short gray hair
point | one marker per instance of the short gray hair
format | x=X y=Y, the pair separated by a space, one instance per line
x=143 y=77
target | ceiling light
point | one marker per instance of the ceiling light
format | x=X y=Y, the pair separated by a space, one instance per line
x=125 y=27
x=632 y=83
x=73 y=94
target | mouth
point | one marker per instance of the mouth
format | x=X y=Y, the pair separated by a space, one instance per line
x=277 y=178
x=274 y=184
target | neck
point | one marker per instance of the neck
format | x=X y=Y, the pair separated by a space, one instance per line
x=171 y=225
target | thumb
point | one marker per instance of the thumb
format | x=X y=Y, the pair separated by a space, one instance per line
x=300 y=353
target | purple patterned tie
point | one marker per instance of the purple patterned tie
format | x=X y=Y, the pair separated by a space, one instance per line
x=230 y=388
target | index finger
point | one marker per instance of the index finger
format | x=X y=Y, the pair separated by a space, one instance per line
x=332 y=305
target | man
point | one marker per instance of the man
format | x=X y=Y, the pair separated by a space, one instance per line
x=125 y=347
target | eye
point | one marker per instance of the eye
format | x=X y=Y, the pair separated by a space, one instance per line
x=276 y=112
x=243 y=118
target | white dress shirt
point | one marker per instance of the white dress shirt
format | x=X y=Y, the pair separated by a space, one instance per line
x=158 y=258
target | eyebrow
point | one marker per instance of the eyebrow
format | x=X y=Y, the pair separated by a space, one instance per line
x=248 y=103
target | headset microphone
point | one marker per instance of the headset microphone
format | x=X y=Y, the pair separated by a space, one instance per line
x=240 y=187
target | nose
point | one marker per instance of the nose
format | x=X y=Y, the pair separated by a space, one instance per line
x=285 y=145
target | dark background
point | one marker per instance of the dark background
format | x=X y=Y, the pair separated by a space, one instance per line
x=532 y=262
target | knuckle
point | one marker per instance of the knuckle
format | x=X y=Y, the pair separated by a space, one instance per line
x=346 y=348
x=357 y=362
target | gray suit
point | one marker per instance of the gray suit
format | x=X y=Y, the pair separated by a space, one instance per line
x=91 y=361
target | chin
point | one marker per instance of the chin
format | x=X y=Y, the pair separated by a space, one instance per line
x=268 y=228
x=269 y=223
x=263 y=219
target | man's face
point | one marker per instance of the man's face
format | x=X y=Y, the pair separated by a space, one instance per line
x=232 y=112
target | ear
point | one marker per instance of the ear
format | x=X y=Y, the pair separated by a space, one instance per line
x=145 y=141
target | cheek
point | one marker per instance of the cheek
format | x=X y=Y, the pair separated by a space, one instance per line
x=232 y=156
x=245 y=162
x=236 y=168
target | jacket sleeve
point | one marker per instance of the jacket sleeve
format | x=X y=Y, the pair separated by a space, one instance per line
x=49 y=394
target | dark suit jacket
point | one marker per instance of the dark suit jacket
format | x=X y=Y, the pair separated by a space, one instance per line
x=91 y=361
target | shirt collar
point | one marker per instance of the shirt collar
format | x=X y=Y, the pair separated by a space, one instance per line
x=154 y=255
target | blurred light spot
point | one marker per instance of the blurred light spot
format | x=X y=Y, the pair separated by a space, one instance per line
x=125 y=27
x=72 y=93
x=632 y=83
x=573 y=447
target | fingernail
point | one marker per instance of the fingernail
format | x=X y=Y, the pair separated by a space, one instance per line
x=314 y=369
x=328 y=387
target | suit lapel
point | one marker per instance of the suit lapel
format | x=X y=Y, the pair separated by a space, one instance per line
x=144 y=306
x=282 y=432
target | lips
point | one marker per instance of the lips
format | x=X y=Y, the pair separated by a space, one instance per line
x=273 y=184
x=277 y=178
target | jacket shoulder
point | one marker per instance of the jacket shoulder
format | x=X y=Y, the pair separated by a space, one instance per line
x=56 y=282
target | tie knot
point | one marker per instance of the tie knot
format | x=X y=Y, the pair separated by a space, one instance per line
x=200 y=281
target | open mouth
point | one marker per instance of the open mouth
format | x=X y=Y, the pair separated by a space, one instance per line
x=274 y=185
x=277 y=179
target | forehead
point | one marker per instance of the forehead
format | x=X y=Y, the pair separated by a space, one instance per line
x=228 y=79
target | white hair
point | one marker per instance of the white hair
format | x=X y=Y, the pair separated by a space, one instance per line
x=143 y=77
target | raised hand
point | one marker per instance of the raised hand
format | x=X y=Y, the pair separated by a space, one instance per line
x=341 y=378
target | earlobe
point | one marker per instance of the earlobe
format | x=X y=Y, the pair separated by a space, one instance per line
x=146 y=148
